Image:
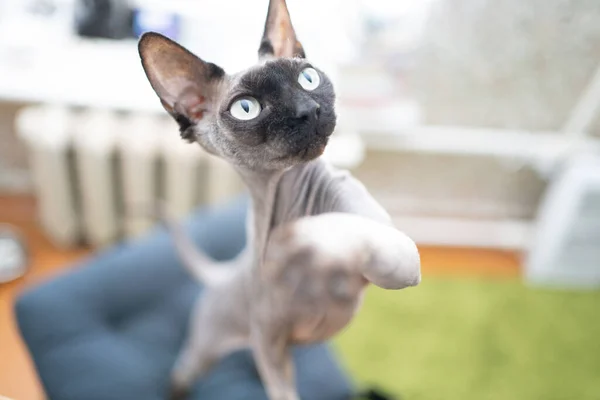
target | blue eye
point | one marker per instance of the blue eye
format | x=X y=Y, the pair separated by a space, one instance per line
x=245 y=104
x=245 y=108
x=307 y=76
x=309 y=79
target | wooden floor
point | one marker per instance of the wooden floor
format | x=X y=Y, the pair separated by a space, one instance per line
x=17 y=376
x=18 y=380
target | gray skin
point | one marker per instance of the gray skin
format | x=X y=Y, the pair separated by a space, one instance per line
x=316 y=238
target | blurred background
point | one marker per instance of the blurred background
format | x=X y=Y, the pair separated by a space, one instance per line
x=475 y=123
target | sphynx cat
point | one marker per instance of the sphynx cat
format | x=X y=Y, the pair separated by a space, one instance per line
x=316 y=237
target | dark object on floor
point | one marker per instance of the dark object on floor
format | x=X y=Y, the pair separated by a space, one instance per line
x=374 y=394
x=111 y=329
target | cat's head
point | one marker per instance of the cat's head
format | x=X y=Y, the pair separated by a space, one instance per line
x=273 y=115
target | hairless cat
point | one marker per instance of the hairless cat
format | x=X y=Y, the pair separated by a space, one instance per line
x=316 y=237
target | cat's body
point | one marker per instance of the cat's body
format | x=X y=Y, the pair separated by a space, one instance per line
x=297 y=298
x=316 y=237
x=307 y=190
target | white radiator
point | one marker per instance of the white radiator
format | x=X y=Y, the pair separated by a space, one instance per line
x=565 y=251
x=96 y=170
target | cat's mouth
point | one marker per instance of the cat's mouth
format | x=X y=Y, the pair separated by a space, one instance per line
x=303 y=146
x=315 y=148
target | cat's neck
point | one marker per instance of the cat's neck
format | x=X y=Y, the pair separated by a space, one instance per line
x=263 y=185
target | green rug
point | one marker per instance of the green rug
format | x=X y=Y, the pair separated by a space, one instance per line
x=466 y=338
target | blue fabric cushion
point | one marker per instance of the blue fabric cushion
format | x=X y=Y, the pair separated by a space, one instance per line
x=112 y=327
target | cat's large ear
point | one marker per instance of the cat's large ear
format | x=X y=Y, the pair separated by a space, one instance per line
x=186 y=85
x=279 y=38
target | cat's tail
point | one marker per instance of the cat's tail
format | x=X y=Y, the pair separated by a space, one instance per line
x=195 y=261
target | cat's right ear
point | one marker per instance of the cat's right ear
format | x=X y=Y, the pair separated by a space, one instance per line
x=186 y=85
x=279 y=38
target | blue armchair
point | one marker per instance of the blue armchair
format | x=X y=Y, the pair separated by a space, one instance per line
x=111 y=328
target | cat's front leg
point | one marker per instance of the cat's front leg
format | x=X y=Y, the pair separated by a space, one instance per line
x=273 y=360
x=384 y=255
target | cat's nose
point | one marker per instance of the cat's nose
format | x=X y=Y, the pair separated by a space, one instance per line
x=308 y=111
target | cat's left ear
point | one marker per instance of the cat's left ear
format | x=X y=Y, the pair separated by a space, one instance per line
x=187 y=86
x=279 y=38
